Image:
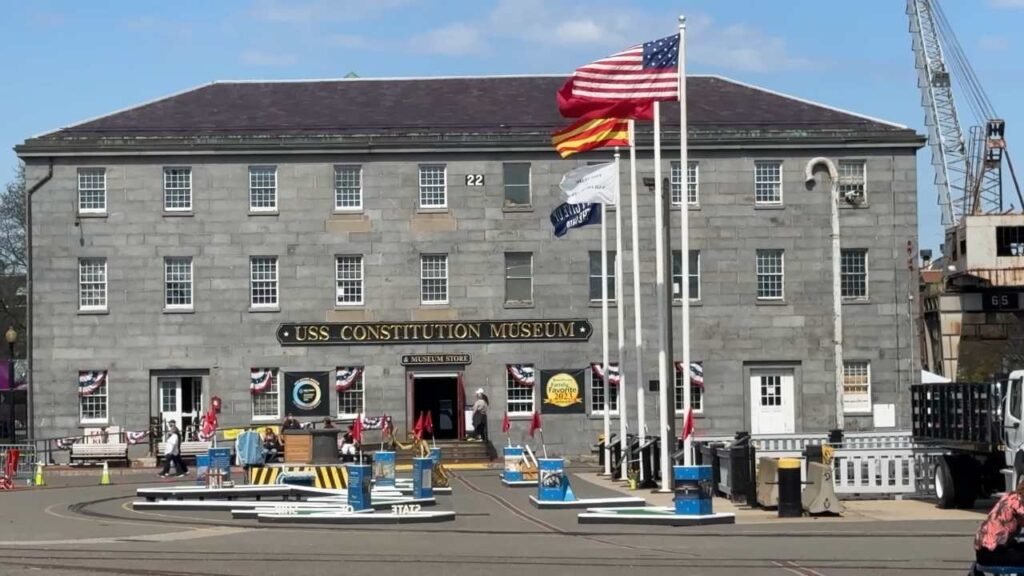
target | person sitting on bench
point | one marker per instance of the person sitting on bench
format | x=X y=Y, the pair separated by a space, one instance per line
x=272 y=447
x=996 y=544
x=348 y=445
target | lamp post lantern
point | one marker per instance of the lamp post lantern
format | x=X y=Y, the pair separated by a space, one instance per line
x=11 y=336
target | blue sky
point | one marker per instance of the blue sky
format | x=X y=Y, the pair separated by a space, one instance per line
x=66 y=60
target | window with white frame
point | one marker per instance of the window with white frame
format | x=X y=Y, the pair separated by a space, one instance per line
x=434 y=278
x=178 y=283
x=265 y=388
x=595 y=276
x=597 y=395
x=770 y=275
x=692 y=178
x=696 y=393
x=852 y=178
x=519 y=277
x=348 y=188
x=92 y=190
x=433 y=186
x=854 y=273
x=517 y=184
x=677 y=275
x=352 y=400
x=349 y=271
x=92 y=284
x=263 y=282
x=93 y=397
x=177 y=189
x=768 y=182
x=262 y=188
x=857 y=386
x=519 y=394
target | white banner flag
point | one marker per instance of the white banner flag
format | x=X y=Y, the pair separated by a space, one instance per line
x=591 y=184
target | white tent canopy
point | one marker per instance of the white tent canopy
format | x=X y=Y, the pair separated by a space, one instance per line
x=931 y=378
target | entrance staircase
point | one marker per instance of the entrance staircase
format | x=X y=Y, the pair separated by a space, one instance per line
x=455 y=452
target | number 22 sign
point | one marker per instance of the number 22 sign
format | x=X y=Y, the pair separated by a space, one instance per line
x=474 y=179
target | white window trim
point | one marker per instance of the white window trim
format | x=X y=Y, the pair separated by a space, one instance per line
x=277 y=191
x=191 y=284
x=700 y=285
x=533 y=393
x=78 y=190
x=595 y=382
x=864 y=174
x=685 y=183
x=106 y=400
x=344 y=415
x=678 y=391
x=530 y=277
x=870 y=387
x=419 y=186
x=190 y=199
x=867 y=276
x=782 y=183
x=252 y=405
x=277 y=284
x=362 y=280
x=447 y=280
x=106 y=287
x=348 y=209
x=782 y=266
x=529 y=186
x=611 y=276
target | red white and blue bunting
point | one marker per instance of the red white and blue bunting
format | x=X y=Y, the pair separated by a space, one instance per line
x=260 y=380
x=376 y=423
x=696 y=373
x=137 y=437
x=522 y=374
x=90 y=382
x=614 y=378
x=346 y=376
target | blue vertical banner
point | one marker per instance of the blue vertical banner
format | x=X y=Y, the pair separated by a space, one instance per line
x=569 y=216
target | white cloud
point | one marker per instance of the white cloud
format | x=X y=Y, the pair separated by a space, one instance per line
x=456 y=39
x=1006 y=3
x=313 y=11
x=992 y=43
x=580 y=32
x=267 y=59
x=740 y=47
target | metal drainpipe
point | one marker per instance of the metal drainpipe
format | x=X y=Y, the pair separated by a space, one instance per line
x=29 y=348
x=837 y=298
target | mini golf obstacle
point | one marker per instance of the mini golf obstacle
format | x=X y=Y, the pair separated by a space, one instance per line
x=692 y=505
x=555 y=492
x=520 y=467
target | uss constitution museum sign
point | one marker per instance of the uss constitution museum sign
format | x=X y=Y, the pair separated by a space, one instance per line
x=479 y=332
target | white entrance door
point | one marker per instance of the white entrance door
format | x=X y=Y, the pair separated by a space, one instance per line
x=771 y=402
x=170 y=401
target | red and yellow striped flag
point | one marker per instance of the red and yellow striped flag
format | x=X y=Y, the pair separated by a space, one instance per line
x=589 y=134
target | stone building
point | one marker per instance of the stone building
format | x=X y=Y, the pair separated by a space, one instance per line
x=234 y=239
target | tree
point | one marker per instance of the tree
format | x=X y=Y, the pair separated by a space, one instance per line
x=13 y=252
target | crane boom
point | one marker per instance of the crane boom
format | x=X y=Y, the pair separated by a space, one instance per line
x=946 y=139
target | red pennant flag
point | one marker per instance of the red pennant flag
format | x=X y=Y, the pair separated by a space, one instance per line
x=357 y=429
x=417 y=429
x=535 y=423
x=506 y=424
x=428 y=423
x=577 y=107
x=688 y=424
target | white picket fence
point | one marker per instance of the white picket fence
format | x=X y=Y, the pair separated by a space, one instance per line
x=868 y=463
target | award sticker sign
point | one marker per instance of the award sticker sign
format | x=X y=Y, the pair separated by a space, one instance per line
x=306 y=393
x=563 y=391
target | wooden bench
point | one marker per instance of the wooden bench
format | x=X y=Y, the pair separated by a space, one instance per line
x=82 y=452
x=193 y=449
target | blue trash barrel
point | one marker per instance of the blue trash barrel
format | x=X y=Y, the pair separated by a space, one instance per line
x=513 y=464
x=693 y=490
x=423 y=477
x=552 y=483
x=359 y=486
x=384 y=468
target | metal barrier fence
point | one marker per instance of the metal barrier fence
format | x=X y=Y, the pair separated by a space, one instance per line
x=26 y=458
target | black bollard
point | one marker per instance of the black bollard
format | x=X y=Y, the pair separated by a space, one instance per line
x=790 y=505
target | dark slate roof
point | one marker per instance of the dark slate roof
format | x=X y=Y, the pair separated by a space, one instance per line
x=466 y=109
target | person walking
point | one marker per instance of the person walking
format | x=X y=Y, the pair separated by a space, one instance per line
x=172 y=452
x=480 y=416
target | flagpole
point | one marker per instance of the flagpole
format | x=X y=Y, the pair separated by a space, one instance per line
x=620 y=313
x=664 y=315
x=604 y=339
x=641 y=424
x=684 y=238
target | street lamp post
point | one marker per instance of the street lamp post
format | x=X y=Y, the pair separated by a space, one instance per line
x=12 y=338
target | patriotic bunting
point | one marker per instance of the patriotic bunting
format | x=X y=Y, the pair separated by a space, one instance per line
x=260 y=380
x=90 y=382
x=346 y=376
x=375 y=423
x=137 y=437
x=696 y=373
x=522 y=374
x=614 y=378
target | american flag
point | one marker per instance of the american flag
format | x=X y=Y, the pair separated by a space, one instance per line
x=649 y=71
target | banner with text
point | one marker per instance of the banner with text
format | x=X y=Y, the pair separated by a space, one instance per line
x=563 y=391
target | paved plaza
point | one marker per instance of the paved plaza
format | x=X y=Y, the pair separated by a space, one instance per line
x=75 y=527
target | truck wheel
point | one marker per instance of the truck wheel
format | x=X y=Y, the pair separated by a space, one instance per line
x=945 y=491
